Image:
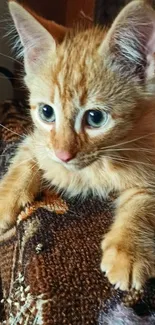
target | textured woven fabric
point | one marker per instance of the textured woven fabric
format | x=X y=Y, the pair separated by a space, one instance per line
x=49 y=262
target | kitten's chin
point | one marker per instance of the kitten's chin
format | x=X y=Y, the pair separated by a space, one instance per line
x=75 y=165
x=72 y=167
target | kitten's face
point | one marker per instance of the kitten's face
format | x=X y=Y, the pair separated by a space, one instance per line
x=79 y=106
x=85 y=92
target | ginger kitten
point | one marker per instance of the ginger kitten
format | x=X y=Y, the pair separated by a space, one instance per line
x=92 y=98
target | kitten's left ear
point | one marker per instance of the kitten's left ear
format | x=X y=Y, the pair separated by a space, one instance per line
x=130 y=42
x=38 y=36
x=57 y=31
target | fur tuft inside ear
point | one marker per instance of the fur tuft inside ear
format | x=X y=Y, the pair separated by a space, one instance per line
x=36 y=40
x=131 y=40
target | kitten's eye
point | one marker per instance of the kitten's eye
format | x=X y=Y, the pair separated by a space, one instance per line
x=46 y=113
x=96 y=118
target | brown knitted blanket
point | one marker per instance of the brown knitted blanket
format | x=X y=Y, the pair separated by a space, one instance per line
x=50 y=262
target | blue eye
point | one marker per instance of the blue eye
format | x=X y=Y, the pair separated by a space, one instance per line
x=96 y=118
x=46 y=113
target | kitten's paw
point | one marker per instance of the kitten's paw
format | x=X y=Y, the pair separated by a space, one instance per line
x=10 y=205
x=116 y=265
x=125 y=267
x=7 y=217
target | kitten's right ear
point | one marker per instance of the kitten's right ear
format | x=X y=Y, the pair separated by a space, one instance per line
x=130 y=42
x=38 y=35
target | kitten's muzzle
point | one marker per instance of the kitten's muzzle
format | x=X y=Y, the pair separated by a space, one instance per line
x=64 y=156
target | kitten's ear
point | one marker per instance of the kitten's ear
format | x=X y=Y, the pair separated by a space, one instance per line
x=130 y=41
x=38 y=35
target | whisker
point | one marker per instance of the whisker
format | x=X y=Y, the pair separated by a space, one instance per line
x=129 y=141
x=11 y=58
x=131 y=161
x=6 y=155
x=132 y=149
x=19 y=135
x=115 y=159
x=25 y=162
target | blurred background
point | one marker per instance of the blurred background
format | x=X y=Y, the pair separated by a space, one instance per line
x=6 y=64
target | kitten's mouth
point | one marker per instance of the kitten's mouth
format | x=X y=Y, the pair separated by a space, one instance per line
x=74 y=164
x=72 y=167
x=77 y=165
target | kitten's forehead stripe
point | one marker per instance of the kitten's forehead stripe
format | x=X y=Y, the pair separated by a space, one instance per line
x=72 y=68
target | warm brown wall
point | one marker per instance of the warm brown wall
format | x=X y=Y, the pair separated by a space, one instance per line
x=62 y=11
x=75 y=6
x=51 y=9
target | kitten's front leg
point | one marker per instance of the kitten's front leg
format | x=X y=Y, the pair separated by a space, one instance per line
x=129 y=247
x=19 y=186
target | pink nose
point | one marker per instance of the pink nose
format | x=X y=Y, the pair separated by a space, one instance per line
x=63 y=155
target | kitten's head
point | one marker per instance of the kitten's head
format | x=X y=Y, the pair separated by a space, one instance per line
x=90 y=90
